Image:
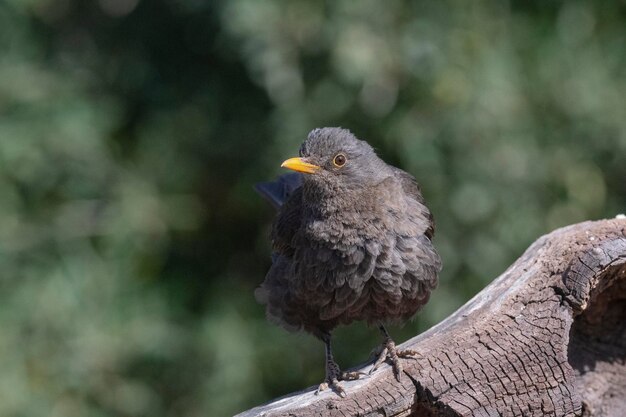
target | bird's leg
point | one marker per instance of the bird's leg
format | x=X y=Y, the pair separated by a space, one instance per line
x=333 y=372
x=389 y=351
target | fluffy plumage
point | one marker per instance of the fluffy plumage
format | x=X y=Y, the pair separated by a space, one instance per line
x=351 y=242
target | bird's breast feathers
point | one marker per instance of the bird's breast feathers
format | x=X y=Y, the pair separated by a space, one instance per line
x=359 y=216
x=369 y=238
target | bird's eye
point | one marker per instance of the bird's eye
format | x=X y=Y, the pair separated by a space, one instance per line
x=339 y=160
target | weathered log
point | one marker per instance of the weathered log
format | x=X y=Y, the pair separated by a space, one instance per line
x=547 y=337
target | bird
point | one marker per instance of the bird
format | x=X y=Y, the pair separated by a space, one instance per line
x=352 y=241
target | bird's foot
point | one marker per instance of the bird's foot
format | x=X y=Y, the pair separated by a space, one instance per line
x=390 y=352
x=333 y=376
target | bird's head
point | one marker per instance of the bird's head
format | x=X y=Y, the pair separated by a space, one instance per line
x=335 y=155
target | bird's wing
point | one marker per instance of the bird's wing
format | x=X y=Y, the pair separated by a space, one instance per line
x=285 y=194
x=287 y=223
x=412 y=188
x=277 y=192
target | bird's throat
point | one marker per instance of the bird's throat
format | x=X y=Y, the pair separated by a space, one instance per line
x=325 y=200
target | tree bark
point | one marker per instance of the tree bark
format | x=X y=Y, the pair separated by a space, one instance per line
x=547 y=337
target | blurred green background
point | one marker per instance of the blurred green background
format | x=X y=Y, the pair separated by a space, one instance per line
x=132 y=131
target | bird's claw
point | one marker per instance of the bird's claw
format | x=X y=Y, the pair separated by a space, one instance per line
x=391 y=353
x=375 y=353
x=352 y=375
x=333 y=376
x=407 y=353
x=382 y=356
x=333 y=385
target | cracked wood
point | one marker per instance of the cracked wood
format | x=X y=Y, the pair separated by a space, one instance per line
x=547 y=337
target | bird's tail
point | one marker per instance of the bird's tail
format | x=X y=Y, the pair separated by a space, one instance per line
x=276 y=192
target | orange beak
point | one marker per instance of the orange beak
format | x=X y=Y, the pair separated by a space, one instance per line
x=298 y=164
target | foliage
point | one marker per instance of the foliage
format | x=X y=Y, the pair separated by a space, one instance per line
x=131 y=134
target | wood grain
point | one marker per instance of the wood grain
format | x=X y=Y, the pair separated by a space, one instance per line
x=547 y=337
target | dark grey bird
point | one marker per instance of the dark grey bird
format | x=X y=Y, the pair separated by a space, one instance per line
x=352 y=241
